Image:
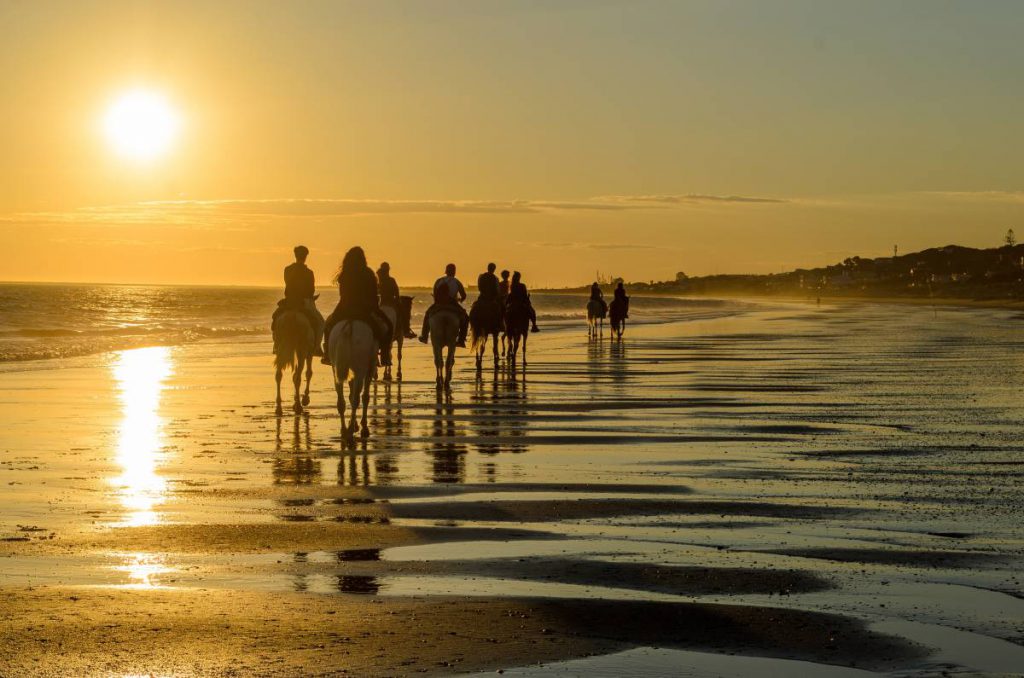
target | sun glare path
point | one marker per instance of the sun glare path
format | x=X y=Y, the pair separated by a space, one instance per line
x=140 y=375
x=141 y=124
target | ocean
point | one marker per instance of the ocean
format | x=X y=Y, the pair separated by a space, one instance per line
x=49 y=321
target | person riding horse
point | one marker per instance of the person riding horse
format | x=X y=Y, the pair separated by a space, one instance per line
x=519 y=296
x=490 y=294
x=387 y=290
x=597 y=295
x=448 y=294
x=357 y=300
x=300 y=295
x=620 y=296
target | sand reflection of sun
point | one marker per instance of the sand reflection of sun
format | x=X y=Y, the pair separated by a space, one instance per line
x=143 y=570
x=140 y=375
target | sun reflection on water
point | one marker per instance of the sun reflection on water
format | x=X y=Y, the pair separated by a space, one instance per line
x=140 y=375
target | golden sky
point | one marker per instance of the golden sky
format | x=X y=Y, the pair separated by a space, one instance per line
x=557 y=138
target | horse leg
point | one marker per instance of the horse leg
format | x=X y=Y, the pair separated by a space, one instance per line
x=365 y=433
x=309 y=378
x=354 y=387
x=438 y=364
x=339 y=390
x=494 y=342
x=525 y=337
x=277 y=378
x=449 y=364
x=401 y=340
x=297 y=382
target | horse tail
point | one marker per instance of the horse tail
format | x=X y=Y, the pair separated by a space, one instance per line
x=287 y=341
x=343 y=361
x=476 y=327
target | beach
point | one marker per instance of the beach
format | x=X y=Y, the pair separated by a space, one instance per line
x=735 y=488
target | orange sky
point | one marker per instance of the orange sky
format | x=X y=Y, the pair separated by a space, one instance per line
x=634 y=138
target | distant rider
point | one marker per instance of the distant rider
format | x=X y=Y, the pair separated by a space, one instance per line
x=387 y=289
x=597 y=295
x=504 y=287
x=357 y=300
x=300 y=295
x=518 y=294
x=620 y=295
x=448 y=293
x=488 y=284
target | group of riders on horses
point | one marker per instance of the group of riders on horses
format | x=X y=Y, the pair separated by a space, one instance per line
x=362 y=294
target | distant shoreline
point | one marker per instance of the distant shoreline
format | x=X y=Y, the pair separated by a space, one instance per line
x=1013 y=304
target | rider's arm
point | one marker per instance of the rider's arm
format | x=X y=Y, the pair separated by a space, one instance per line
x=461 y=291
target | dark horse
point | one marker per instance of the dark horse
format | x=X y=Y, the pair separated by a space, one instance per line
x=619 y=311
x=485 y=319
x=517 y=328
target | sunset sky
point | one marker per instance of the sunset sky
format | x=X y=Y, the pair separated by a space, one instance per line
x=557 y=138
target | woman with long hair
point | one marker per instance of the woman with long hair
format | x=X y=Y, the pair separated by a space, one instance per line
x=357 y=300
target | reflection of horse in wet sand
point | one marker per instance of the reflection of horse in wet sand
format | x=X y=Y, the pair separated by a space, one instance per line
x=293 y=348
x=398 y=339
x=517 y=327
x=353 y=352
x=596 y=312
x=484 y=321
x=444 y=332
x=619 y=311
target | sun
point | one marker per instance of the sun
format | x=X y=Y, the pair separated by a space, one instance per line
x=141 y=125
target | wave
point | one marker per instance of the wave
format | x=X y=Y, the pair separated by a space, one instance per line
x=61 y=343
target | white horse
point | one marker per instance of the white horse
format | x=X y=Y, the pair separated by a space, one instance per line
x=293 y=348
x=596 y=312
x=398 y=338
x=353 y=352
x=444 y=332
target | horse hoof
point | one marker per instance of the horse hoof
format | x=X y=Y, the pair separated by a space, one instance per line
x=365 y=433
x=297 y=408
x=279 y=410
x=305 y=401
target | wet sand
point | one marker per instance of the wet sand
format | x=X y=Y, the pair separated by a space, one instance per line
x=836 y=485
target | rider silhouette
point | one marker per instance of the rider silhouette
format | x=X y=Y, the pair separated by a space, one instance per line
x=487 y=283
x=620 y=295
x=597 y=295
x=448 y=293
x=357 y=300
x=300 y=295
x=387 y=289
x=518 y=294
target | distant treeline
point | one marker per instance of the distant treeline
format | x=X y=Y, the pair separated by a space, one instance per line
x=944 y=272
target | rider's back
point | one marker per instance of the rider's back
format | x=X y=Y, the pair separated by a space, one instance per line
x=357 y=292
x=299 y=282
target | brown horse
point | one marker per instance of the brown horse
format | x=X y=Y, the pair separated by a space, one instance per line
x=444 y=332
x=596 y=312
x=619 y=311
x=517 y=327
x=485 y=321
x=293 y=349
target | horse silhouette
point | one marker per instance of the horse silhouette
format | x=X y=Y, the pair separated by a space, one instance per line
x=596 y=312
x=293 y=349
x=517 y=327
x=353 y=352
x=444 y=332
x=397 y=339
x=485 y=320
x=619 y=311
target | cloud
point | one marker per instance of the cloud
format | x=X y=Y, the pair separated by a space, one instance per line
x=691 y=198
x=590 y=245
x=987 y=196
x=233 y=213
